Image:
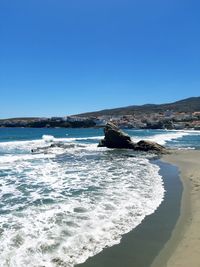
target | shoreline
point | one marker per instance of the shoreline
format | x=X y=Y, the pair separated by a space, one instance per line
x=182 y=245
x=182 y=249
x=140 y=246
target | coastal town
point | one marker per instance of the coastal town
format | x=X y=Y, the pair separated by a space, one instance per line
x=155 y=120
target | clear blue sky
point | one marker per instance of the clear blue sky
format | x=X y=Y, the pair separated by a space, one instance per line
x=61 y=57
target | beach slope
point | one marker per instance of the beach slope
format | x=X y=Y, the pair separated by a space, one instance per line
x=183 y=248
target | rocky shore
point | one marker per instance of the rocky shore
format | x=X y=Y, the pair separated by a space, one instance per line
x=116 y=138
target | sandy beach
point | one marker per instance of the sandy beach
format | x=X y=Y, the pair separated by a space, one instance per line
x=183 y=248
x=140 y=246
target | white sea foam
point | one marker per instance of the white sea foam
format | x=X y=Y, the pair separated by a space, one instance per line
x=83 y=138
x=13 y=158
x=26 y=146
x=59 y=209
x=164 y=137
x=48 y=138
x=61 y=206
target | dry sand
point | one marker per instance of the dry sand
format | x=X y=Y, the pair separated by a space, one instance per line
x=183 y=248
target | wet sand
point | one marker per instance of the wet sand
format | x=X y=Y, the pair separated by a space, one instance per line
x=183 y=248
x=139 y=247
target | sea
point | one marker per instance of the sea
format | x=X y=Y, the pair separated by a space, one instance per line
x=61 y=205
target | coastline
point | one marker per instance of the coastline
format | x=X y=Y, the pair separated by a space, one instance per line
x=140 y=247
x=182 y=249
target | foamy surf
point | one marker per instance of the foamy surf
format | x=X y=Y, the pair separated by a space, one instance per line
x=71 y=230
x=60 y=210
x=62 y=205
x=164 y=137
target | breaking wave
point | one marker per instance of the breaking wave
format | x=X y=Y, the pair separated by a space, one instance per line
x=64 y=204
x=61 y=207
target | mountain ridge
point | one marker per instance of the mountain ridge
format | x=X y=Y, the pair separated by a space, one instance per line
x=191 y=104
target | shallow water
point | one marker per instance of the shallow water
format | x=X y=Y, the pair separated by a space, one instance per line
x=65 y=205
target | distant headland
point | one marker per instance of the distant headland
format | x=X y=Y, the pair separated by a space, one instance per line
x=183 y=114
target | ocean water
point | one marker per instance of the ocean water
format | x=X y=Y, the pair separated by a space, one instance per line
x=59 y=206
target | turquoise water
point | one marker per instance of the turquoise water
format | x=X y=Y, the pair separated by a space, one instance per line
x=169 y=138
x=13 y=134
x=61 y=205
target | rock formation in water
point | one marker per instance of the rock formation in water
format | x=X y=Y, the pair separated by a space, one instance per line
x=47 y=149
x=115 y=138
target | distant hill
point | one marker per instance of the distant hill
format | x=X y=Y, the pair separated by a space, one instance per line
x=191 y=104
x=27 y=119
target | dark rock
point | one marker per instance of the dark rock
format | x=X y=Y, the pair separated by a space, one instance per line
x=149 y=146
x=115 y=138
x=46 y=149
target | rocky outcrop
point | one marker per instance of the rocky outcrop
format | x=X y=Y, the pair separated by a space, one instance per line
x=149 y=146
x=115 y=138
x=48 y=149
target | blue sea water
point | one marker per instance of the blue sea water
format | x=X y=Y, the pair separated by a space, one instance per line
x=63 y=205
